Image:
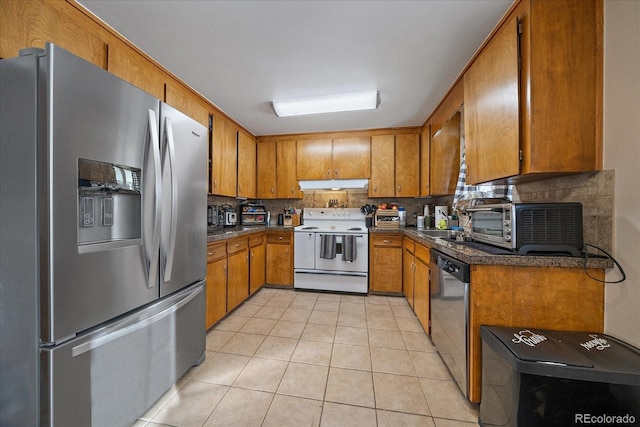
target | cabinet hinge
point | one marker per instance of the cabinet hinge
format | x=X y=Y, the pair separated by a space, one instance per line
x=520 y=155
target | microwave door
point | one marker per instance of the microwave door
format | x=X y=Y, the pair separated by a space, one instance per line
x=98 y=131
x=184 y=181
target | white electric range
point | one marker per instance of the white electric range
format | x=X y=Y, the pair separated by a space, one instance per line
x=331 y=251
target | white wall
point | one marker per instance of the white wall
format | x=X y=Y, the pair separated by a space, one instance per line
x=622 y=153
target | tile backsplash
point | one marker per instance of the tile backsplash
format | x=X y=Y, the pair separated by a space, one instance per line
x=595 y=190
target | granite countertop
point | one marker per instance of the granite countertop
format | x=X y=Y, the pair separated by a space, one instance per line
x=430 y=238
x=472 y=255
x=239 y=230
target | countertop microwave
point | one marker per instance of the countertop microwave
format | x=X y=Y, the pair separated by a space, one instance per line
x=529 y=228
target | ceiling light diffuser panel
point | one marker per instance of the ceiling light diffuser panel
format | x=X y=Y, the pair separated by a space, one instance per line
x=327 y=104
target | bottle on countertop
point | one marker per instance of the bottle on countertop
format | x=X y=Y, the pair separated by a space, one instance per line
x=402 y=216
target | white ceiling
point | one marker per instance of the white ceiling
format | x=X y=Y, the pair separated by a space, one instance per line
x=242 y=54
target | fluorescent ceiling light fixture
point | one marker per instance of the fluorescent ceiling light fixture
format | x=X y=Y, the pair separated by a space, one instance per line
x=327 y=104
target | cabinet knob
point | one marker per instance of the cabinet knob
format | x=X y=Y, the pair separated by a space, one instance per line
x=210 y=253
x=279 y=237
x=336 y=172
x=237 y=245
x=386 y=241
x=272 y=190
x=375 y=188
x=399 y=189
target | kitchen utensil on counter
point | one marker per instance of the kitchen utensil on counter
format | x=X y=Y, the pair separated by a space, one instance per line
x=420 y=221
x=441 y=217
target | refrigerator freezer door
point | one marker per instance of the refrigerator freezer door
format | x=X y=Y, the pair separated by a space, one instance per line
x=112 y=376
x=184 y=202
x=94 y=116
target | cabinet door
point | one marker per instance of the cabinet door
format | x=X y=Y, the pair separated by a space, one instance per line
x=279 y=258
x=216 y=305
x=445 y=157
x=408 y=267
x=351 y=158
x=491 y=114
x=184 y=100
x=386 y=263
x=257 y=262
x=266 y=165
x=224 y=156
x=382 y=182
x=129 y=65
x=279 y=264
x=287 y=184
x=314 y=159
x=425 y=161
x=407 y=165
x=246 y=166
x=421 y=292
x=238 y=279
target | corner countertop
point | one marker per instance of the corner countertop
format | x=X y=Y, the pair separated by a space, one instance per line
x=239 y=230
x=475 y=256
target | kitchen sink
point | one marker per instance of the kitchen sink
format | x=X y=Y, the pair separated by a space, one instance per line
x=434 y=233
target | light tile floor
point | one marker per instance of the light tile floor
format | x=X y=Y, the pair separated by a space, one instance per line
x=287 y=358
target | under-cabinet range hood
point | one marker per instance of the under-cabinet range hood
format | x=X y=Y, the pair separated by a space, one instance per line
x=334 y=184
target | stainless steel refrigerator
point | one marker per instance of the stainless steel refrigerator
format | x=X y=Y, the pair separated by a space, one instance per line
x=102 y=243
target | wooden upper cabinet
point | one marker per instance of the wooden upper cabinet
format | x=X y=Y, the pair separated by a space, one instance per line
x=545 y=118
x=395 y=165
x=266 y=170
x=425 y=161
x=445 y=157
x=407 y=165
x=224 y=156
x=246 y=165
x=314 y=159
x=183 y=99
x=351 y=158
x=383 y=166
x=340 y=158
x=491 y=114
x=129 y=65
x=287 y=184
x=31 y=23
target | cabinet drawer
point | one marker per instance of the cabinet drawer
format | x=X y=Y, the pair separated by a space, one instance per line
x=215 y=251
x=256 y=239
x=408 y=244
x=422 y=253
x=279 y=237
x=391 y=240
x=236 y=245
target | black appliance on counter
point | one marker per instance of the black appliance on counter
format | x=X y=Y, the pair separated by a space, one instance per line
x=253 y=214
x=534 y=378
x=215 y=219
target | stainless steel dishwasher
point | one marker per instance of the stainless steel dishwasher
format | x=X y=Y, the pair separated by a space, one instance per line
x=450 y=314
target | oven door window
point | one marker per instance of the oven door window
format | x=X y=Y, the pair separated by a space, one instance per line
x=488 y=223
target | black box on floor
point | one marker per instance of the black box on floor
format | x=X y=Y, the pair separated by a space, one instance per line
x=535 y=378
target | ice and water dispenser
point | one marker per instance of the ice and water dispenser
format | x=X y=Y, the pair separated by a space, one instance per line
x=109 y=202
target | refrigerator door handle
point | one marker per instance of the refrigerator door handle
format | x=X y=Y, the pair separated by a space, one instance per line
x=171 y=245
x=132 y=324
x=153 y=254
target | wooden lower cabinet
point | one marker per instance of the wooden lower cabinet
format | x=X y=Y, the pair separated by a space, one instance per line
x=385 y=263
x=408 y=268
x=530 y=297
x=279 y=257
x=238 y=272
x=421 y=286
x=216 y=300
x=257 y=262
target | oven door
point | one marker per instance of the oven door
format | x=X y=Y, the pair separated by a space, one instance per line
x=343 y=258
x=488 y=226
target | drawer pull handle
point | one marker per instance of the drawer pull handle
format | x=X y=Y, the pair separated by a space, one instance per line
x=386 y=241
x=237 y=245
x=210 y=253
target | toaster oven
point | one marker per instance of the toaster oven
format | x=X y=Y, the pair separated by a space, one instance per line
x=529 y=227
